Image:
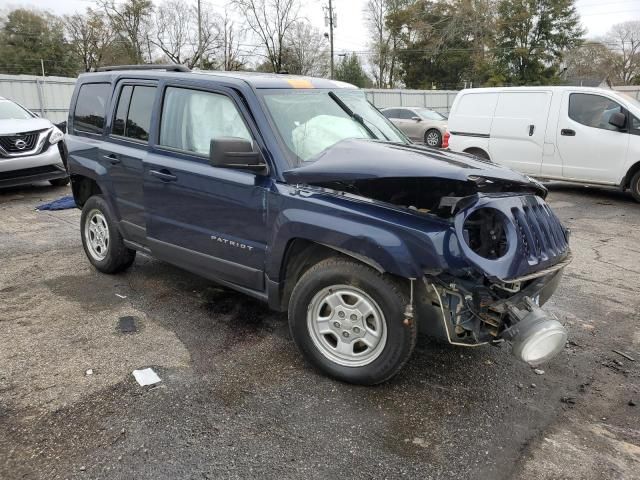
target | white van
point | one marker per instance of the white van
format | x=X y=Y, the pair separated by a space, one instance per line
x=576 y=134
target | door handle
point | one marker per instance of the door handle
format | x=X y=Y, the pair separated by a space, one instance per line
x=112 y=158
x=532 y=128
x=163 y=175
x=567 y=132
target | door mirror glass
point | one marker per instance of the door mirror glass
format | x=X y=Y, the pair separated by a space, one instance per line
x=417 y=119
x=618 y=120
x=234 y=152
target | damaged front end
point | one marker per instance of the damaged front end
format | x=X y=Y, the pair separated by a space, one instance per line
x=500 y=249
x=518 y=249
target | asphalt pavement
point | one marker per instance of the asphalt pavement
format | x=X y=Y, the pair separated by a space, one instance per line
x=236 y=399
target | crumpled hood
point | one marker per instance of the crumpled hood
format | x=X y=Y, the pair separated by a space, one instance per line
x=355 y=159
x=13 y=126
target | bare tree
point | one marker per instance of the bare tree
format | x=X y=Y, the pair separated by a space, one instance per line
x=307 y=52
x=90 y=37
x=624 y=40
x=385 y=41
x=270 y=20
x=131 y=20
x=176 y=32
x=231 y=57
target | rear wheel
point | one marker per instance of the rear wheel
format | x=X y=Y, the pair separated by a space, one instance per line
x=59 y=182
x=433 y=138
x=101 y=239
x=634 y=186
x=348 y=321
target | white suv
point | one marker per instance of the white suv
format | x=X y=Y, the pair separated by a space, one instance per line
x=31 y=148
x=576 y=134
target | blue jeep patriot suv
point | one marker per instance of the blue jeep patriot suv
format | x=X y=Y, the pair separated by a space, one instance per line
x=298 y=192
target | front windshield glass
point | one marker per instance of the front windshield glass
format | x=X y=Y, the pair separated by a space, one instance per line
x=310 y=121
x=429 y=114
x=11 y=111
x=627 y=97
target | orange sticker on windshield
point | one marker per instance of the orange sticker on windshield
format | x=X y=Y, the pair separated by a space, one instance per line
x=300 y=83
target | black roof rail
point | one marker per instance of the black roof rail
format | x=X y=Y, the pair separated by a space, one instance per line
x=173 y=67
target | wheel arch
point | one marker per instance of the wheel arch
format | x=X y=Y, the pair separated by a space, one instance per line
x=626 y=180
x=84 y=188
x=478 y=152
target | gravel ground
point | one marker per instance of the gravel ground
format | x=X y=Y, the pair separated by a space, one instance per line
x=237 y=401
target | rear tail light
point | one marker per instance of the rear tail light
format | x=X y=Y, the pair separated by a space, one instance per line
x=445 y=140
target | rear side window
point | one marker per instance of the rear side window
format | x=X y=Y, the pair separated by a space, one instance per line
x=91 y=107
x=593 y=110
x=192 y=118
x=393 y=113
x=405 y=114
x=133 y=113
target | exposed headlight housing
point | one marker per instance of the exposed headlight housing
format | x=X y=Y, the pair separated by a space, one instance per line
x=55 y=136
x=535 y=337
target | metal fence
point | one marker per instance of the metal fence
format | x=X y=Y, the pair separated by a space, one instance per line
x=438 y=100
x=50 y=96
x=47 y=96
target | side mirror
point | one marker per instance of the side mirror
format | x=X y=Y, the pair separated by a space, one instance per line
x=618 y=119
x=417 y=119
x=238 y=153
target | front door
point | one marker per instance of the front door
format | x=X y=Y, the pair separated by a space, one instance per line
x=591 y=149
x=206 y=219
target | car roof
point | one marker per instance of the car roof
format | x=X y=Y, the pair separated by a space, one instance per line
x=255 y=79
x=540 y=88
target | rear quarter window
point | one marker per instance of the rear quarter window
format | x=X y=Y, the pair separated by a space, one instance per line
x=91 y=108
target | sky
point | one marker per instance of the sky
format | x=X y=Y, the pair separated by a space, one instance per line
x=351 y=33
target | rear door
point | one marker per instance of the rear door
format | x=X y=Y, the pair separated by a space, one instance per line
x=590 y=148
x=206 y=219
x=518 y=130
x=125 y=151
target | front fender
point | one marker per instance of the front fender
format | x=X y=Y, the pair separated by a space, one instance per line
x=403 y=248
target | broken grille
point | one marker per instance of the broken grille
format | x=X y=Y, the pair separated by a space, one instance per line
x=542 y=235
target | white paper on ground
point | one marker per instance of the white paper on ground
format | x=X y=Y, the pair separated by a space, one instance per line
x=146 y=376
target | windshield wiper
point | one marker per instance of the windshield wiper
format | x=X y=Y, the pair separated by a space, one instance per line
x=352 y=114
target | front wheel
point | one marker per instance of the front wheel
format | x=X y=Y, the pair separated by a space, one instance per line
x=433 y=138
x=634 y=186
x=348 y=321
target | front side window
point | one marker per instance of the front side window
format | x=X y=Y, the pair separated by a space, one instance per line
x=192 y=118
x=593 y=110
x=13 y=111
x=311 y=121
x=91 y=107
x=133 y=113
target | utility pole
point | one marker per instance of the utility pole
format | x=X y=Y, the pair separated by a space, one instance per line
x=200 y=35
x=330 y=20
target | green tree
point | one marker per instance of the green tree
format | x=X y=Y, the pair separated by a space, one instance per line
x=350 y=70
x=29 y=36
x=531 y=37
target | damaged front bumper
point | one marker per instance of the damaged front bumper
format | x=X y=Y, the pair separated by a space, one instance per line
x=471 y=315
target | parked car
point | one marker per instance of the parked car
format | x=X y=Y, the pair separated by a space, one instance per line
x=419 y=124
x=576 y=134
x=31 y=148
x=297 y=192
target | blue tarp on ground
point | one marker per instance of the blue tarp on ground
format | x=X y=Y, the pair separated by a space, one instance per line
x=63 y=203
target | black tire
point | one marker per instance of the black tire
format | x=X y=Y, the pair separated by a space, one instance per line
x=387 y=293
x=634 y=186
x=436 y=135
x=117 y=257
x=59 y=182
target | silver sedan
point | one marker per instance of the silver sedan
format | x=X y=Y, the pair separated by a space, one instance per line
x=419 y=124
